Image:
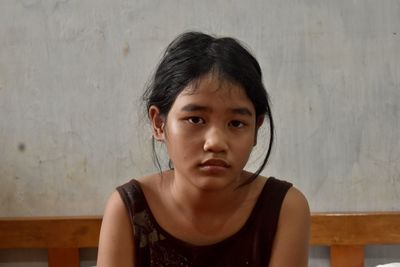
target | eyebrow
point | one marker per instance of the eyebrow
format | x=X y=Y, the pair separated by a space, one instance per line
x=242 y=111
x=195 y=107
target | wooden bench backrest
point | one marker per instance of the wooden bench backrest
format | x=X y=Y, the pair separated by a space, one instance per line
x=348 y=233
x=345 y=233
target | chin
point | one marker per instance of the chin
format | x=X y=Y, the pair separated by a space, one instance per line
x=214 y=183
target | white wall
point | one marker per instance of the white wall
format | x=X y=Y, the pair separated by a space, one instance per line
x=72 y=72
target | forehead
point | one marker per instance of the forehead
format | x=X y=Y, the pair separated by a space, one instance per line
x=213 y=90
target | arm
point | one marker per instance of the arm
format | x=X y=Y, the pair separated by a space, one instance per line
x=291 y=240
x=116 y=245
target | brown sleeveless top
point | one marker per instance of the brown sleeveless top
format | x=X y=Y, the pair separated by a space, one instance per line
x=250 y=246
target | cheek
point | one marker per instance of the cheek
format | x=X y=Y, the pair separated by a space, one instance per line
x=179 y=141
x=176 y=130
x=245 y=147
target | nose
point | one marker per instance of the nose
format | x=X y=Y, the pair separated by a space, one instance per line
x=215 y=141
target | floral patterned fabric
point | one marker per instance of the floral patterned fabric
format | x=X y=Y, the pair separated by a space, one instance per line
x=250 y=246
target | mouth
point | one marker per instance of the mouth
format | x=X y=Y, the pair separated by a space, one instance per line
x=215 y=163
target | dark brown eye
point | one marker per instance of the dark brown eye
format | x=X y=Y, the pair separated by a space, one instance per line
x=195 y=120
x=236 y=124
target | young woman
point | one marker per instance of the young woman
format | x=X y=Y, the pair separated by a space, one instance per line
x=206 y=103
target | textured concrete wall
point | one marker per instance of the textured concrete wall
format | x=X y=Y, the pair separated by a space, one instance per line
x=71 y=73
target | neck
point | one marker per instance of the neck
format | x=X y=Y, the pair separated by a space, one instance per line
x=200 y=202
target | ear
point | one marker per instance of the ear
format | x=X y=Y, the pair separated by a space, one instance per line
x=259 y=122
x=157 y=123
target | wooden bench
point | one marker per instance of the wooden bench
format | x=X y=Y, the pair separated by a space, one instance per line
x=345 y=233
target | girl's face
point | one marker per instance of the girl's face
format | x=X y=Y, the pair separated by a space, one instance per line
x=209 y=132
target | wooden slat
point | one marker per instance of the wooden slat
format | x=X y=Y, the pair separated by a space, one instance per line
x=63 y=257
x=355 y=229
x=347 y=256
x=345 y=233
x=326 y=229
x=59 y=232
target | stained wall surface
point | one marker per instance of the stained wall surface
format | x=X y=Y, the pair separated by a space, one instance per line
x=72 y=126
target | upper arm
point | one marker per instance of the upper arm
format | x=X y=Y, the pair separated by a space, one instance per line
x=116 y=245
x=292 y=237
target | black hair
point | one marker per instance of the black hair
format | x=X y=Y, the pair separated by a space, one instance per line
x=191 y=56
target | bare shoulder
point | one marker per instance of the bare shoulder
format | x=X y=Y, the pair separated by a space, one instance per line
x=116 y=246
x=115 y=205
x=292 y=237
x=295 y=212
x=295 y=204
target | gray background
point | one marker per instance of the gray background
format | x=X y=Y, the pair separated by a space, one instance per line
x=72 y=126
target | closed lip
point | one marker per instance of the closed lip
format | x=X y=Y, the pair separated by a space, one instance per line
x=215 y=162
